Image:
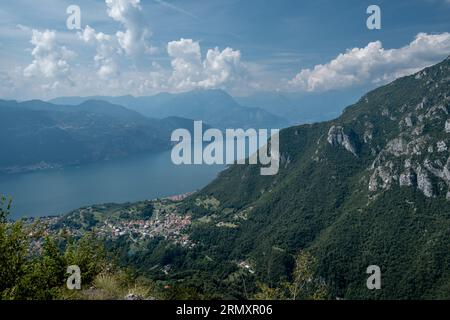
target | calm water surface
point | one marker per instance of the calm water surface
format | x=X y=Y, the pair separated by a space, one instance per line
x=137 y=178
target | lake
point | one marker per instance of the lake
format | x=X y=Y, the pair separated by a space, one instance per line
x=59 y=191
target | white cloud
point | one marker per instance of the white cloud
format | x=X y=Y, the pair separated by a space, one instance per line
x=374 y=64
x=221 y=67
x=186 y=62
x=118 y=66
x=131 y=42
x=89 y=35
x=189 y=71
x=50 y=61
x=129 y=13
x=106 y=52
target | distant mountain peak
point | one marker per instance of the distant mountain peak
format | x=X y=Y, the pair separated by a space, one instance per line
x=213 y=106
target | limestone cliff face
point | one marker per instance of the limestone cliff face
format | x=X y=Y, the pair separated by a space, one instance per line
x=417 y=158
x=337 y=137
x=408 y=139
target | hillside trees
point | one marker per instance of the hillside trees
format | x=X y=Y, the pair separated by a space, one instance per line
x=38 y=271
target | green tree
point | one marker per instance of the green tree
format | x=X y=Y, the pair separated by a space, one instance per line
x=44 y=274
x=13 y=251
x=5 y=206
x=13 y=260
x=36 y=268
x=267 y=293
x=89 y=254
x=304 y=285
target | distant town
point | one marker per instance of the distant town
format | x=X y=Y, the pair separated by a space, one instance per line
x=138 y=222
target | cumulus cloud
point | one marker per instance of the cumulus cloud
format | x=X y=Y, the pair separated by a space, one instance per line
x=118 y=65
x=186 y=62
x=374 y=64
x=129 y=13
x=106 y=52
x=132 y=42
x=221 y=67
x=50 y=60
x=189 y=71
x=89 y=35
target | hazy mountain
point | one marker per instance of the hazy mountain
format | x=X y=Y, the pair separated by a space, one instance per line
x=100 y=107
x=301 y=108
x=215 y=107
x=36 y=134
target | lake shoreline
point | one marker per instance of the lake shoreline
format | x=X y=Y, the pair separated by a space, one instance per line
x=55 y=192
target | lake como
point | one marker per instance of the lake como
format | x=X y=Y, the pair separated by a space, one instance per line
x=58 y=191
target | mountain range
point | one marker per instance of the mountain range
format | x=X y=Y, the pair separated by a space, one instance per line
x=36 y=134
x=301 y=108
x=214 y=107
x=218 y=108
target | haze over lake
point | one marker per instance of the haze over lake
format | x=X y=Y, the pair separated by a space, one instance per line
x=136 y=178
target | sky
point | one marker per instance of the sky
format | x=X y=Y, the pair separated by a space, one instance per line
x=142 y=47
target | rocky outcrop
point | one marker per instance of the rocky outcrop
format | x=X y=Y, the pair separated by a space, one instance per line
x=439 y=170
x=423 y=182
x=382 y=178
x=408 y=122
x=441 y=146
x=397 y=147
x=410 y=152
x=408 y=178
x=414 y=175
x=285 y=160
x=436 y=112
x=337 y=137
x=368 y=133
x=133 y=297
x=400 y=147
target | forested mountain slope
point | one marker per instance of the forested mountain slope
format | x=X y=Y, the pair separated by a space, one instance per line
x=369 y=188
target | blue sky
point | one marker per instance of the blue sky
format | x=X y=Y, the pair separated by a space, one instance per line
x=243 y=46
